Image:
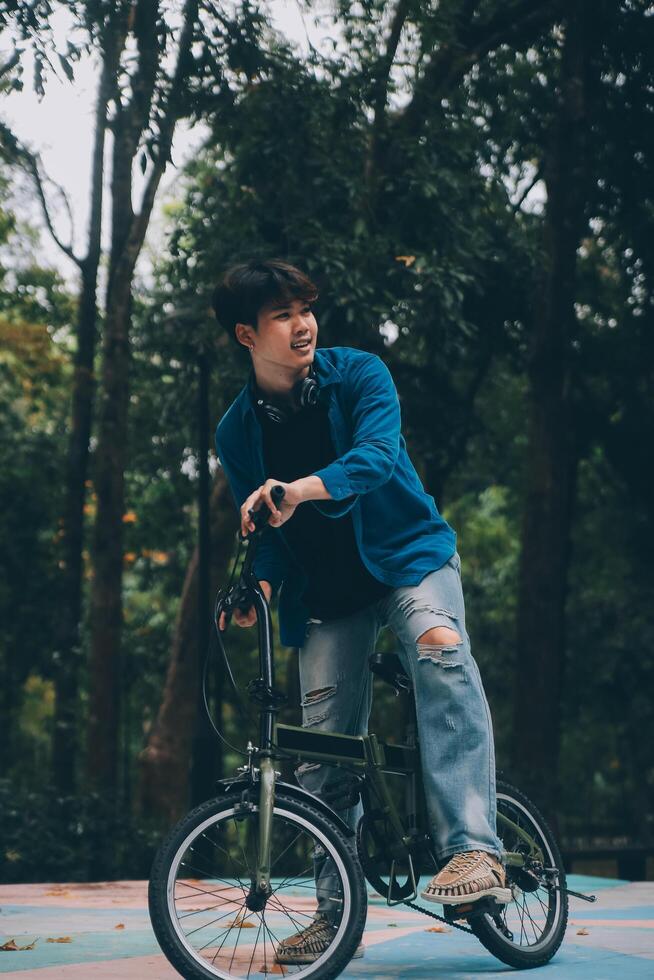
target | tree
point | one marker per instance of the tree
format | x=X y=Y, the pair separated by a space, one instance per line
x=34 y=304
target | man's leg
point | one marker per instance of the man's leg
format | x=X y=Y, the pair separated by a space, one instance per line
x=455 y=730
x=336 y=690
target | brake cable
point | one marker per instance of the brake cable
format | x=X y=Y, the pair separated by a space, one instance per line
x=260 y=520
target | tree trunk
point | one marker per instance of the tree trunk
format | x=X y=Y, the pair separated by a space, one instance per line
x=106 y=590
x=64 y=749
x=551 y=455
x=207 y=755
x=128 y=229
x=165 y=763
x=67 y=660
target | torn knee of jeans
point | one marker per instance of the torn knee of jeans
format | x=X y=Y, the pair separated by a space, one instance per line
x=315 y=718
x=438 y=645
x=315 y=697
x=414 y=604
x=437 y=655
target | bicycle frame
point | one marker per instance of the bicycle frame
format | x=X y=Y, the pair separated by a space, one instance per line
x=365 y=754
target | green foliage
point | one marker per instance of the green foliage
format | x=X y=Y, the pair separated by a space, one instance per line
x=425 y=253
x=46 y=837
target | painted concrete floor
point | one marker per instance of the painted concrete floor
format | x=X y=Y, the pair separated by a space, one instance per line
x=111 y=938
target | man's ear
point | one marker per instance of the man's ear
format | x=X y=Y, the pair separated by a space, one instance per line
x=244 y=334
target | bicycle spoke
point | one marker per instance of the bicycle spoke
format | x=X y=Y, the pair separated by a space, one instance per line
x=289 y=878
x=213 y=958
x=210 y=908
x=254 y=947
x=297 y=925
x=274 y=941
x=194 y=867
x=223 y=850
x=215 y=905
x=295 y=839
x=533 y=924
x=545 y=908
x=239 y=929
x=203 y=891
x=207 y=924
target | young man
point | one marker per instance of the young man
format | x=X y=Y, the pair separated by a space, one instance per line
x=356 y=545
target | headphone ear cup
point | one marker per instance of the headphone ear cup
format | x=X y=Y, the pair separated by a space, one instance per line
x=309 y=393
x=306 y=394
x=274 y=412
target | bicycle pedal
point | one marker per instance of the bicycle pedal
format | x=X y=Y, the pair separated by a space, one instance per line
x=472 y=910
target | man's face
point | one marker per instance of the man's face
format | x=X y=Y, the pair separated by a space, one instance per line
x=286 y=334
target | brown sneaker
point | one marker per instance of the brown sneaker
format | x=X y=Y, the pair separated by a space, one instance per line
x=468 y=877
x=310 y=943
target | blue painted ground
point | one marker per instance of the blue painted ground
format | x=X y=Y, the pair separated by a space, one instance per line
x=613 y=938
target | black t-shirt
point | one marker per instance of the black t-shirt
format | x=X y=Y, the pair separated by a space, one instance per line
x=325 y=547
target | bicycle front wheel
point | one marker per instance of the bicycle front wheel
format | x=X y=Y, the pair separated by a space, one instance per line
x=530 y=929
x=204 y=873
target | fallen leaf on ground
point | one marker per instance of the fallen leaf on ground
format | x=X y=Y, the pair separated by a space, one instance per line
x=11 y=947
x=61 y=939
x=240 y=924
x=58 y=891
x=438 y=929
x=121 y=925
x=583 y=932
x=275 y=968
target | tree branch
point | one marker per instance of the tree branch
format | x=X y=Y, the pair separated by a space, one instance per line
x=135 y=115
x=17 y=153
x=530 y=186
x=380 y=89
x=11 y=63
x=455 y=57
x=167 y=127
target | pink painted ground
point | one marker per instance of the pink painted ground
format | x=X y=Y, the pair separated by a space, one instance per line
x=111 y=937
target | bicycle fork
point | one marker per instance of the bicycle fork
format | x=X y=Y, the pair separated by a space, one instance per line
x=266 y=805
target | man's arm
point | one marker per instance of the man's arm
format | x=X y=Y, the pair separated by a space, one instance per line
x=375 y=413
x=271 y=561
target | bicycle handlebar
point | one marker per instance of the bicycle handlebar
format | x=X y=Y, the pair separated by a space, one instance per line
x=260 y=517
x=239 y=596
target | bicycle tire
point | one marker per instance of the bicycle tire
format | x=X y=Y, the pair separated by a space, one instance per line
x=216 y=814
x=512 y=801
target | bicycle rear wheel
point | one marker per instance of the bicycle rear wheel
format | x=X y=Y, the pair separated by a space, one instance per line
x=530 y=929
x=202 y=876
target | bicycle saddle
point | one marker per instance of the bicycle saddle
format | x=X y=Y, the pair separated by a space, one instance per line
x=389 y=667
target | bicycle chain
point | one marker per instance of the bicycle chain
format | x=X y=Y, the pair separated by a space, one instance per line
x=435 y=915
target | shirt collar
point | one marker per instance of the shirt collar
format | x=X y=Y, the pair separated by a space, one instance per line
x=325 y=371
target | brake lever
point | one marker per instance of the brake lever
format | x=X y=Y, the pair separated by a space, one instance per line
x=235 y=598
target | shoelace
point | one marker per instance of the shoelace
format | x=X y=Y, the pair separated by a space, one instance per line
x=317 y=929
x=465 y=861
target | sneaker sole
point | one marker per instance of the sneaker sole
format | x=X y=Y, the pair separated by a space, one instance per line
x=304 y=960
x=501 y=895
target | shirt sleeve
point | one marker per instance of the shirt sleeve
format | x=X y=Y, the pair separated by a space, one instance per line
x=375 y=416
x=271 y=562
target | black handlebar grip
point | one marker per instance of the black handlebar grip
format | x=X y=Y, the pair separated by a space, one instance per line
x=277 y=493
x=260 y=517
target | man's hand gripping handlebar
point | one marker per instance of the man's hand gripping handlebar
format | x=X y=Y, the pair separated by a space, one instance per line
x=237 y=602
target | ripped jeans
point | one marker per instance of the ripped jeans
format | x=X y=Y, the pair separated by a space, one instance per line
x=454 y=723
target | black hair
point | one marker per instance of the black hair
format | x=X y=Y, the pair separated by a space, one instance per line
x=245 y=289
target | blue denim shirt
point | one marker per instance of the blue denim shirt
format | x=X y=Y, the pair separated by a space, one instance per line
x=399 y=532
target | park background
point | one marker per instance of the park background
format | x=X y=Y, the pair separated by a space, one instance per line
x=470 y=183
